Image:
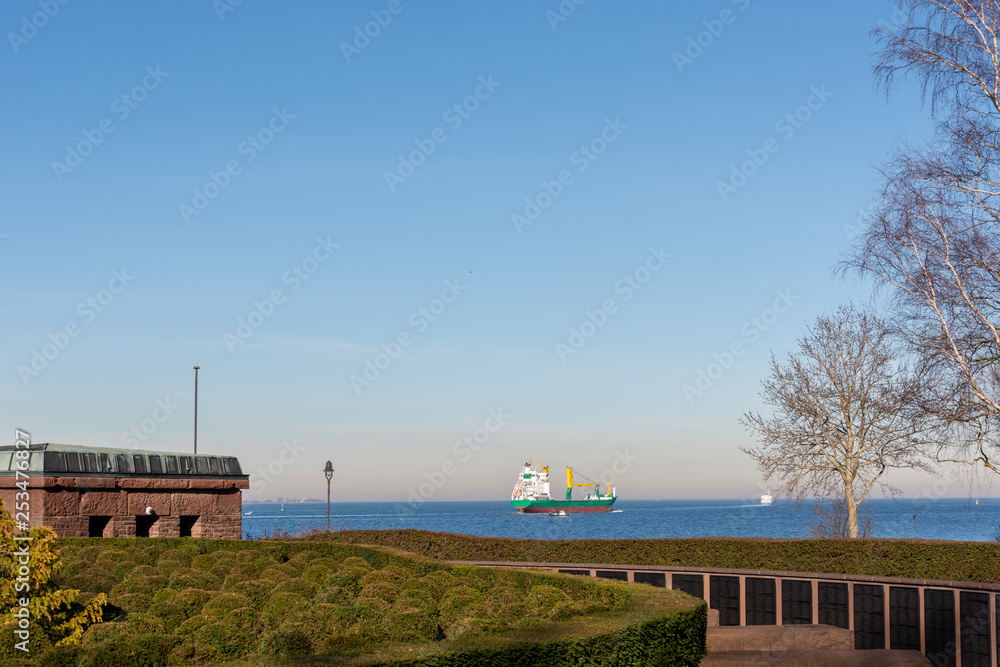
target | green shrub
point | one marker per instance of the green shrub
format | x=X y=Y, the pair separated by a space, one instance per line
x=280 y=605
x=192 y=600
x=142 y=571
x=186 y=577
x=355 y=561
x=132 y=651
x=298 y=586
x=333 y=595
x=316 y=573
x=94 y=579
x=287 y=641
x=413 y=618
x=230 y=641
x=256 y=591
x=381 y=594
x=165 y=595
x=167 y=566
x=543 y=600
x=171 y=614
x=59 y=656
x=274 y=574
x=131 y=602
x=223 y=603
x=190 y=652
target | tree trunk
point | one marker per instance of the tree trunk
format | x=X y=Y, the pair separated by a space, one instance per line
x=852 y=509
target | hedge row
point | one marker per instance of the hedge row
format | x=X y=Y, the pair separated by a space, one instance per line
x=917 y=559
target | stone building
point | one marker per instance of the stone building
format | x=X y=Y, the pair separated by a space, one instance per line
x=99 y=492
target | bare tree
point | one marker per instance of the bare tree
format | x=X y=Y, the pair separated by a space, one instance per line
x=933 y=237
x=843 y=412
x=832 y=521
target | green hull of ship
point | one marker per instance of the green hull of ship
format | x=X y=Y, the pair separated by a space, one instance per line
x=568 y=506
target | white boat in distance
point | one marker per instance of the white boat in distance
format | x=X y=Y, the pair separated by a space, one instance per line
x=766 y=499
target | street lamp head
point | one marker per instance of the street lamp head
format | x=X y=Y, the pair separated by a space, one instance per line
x=328 y=470
x=197 y=367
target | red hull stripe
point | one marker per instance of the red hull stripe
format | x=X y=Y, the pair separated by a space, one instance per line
x=568 y=510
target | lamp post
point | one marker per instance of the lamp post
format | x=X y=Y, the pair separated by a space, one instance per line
x=196 y=409
x=328 y=471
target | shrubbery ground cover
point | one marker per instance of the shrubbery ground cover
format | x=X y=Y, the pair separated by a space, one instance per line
x=190 y=601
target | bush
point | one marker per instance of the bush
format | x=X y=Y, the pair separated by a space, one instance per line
x=223 y=603
x=171 y=614
x=186 y=577
x=281 y=605
x=255 y=591
x=286 y=642
x=298 y=586
x=192 y=600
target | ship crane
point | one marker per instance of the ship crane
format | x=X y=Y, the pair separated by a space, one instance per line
x=570 y=484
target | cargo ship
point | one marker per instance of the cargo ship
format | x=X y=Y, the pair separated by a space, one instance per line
x=531 y=493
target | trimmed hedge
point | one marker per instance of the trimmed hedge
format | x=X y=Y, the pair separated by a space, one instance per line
x=916 y=559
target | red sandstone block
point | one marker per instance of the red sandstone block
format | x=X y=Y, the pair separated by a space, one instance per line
x=80 y=482
x=103 y=503
x=130 y=483
x=58 y=503
x=68 y=526
x=230 y=502
x=172 y=484
x=123 y=526
x=138 y=501
x=193 y=504
x=168 y=526
x=209 y=484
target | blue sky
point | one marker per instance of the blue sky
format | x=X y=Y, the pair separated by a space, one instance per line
x=245 y=171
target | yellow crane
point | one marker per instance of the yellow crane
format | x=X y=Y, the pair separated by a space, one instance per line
x=570 y=484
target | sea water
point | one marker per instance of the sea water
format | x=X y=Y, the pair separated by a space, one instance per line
x=937 y=519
